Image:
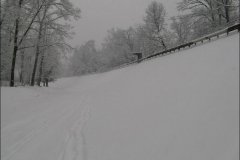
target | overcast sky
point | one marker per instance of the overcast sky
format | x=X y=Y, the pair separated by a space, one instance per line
x=98 y=16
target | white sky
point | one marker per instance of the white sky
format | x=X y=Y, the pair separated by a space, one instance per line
x=98 y=16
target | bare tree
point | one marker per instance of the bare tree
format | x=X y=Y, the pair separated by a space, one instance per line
x=17 y=38
x=41 y=18
x=182 y=27
x=212 y=10
x=59 y=10
x=22 y=22
x=155 y=23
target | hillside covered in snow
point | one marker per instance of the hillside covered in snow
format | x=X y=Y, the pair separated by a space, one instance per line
x=182 y=106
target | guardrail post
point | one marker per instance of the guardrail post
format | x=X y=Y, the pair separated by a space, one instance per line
x=139 y=56
x=235 y=27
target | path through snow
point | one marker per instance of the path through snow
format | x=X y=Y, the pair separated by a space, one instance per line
x=40 y=133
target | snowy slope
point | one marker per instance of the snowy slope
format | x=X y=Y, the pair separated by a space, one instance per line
x=182 y=106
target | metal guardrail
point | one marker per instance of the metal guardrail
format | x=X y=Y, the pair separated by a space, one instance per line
x=188 y=44
x=194 y=42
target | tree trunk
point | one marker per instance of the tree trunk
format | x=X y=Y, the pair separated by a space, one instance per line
x=212 y=13
x=40 y=70
x=227 y=14
x=14 y=53
x=35 y=66
x=38 y=48
x=164 y=46
x=46 y=82
x=226 y=8
x=220 y=19
x=15 y=49
x=219 y=12
x=0 y=31
x=22 y=67
x=40 y=77
x=36 y=55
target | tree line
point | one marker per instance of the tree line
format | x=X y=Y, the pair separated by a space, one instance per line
x=156 y=33
x=33 y=34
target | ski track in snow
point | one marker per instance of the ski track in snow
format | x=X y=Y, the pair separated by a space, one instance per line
x=75 y=145
x=63 y=116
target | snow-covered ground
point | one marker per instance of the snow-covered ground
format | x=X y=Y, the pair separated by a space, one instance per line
x=182 y=106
